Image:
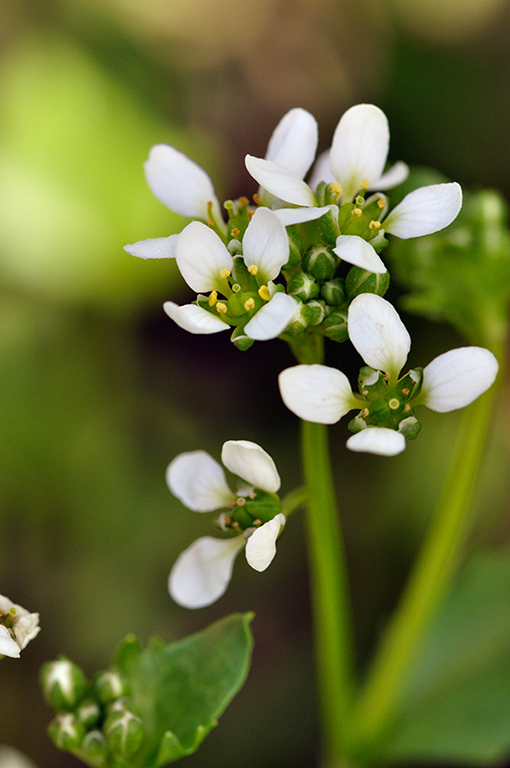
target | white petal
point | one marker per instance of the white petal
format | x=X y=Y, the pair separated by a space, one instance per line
x=316 y=393
x=153 y=248
x=354 y=250
x=294 y=141
x=360 y=148
x=202 y=572
x=26 y=628
x=193 y=318
x=201 y=256
x=456 y=378
x=279 y=181
x=13 y=758
x=250 y=462
x=378 y=333
x=197 y=480
x=273 y=318
x=289 y=216
x=265 y=244
x=384 y=442
x=321 y=171
x=261 y=546
x=424 y=211
x=8 y=646
x=180 y=183
x=392 y=178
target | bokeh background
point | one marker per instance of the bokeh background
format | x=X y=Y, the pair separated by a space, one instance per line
x=99 y=390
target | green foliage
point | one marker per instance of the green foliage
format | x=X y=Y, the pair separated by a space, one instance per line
x=172 y=696
x=456 y=707
x=460 y=275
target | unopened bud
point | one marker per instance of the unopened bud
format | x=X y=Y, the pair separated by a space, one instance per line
x=295 y=248
x=109 y=686
x=333 y=292
x=335 y=326
x=361 y=281
x=64 y=684
x=65 y=731
x=303 y=286
x=240 y=339
x=317 y=310
x=88 y=713
x=124 y=732
x=320 y=262
x=94 y=747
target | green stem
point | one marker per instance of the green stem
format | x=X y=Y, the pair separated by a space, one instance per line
x=330 y=595
x=428 y=581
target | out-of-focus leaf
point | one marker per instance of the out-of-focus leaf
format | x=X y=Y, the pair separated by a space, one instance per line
x=456 y=708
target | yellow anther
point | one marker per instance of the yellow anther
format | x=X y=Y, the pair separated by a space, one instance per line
x=213 y=298
x=374 y=224
x=234 y=231
x=356 y=211
x=386 y=377
x=253 y=269
x=405 y=391
x=364 y=184
x=257 y=522
x=210 y=222
x=263 y=292
x=221 y=307
x=336 y=188
x=244 y=200
x=365 y=392
x=224 y=274
x=249 y=304
x=381 y=203
x=407 y=407
x=256 y=199
x=250 y=213
x=364 y=413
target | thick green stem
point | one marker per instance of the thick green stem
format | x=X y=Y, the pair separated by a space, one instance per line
x=330 y=596
x=427 y=583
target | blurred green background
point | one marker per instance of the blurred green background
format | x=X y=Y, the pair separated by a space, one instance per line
x=99 y=390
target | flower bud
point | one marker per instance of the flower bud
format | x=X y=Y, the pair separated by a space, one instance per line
x=335 y=326
x=94 y=747
x=295 y=248
x=317 y=310
x=320 y=262
x=124 y=732
x=300 y=322
x=65 y=731
x=64 y=684
x=240 y=339
x=409 y=427
x=109 y=686
x=303 y=286
x=333 y=292
x=88 y=713
x=361 y=281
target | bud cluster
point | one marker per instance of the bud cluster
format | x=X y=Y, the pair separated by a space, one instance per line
x=95 y=720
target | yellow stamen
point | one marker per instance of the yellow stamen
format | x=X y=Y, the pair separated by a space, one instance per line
x=244 y=200
x=249 y=304
x=210 y=222
x=256 y=199
x=365 y=392
x=221 y=307
x=405 y=391
x=381 y=203
x=253 y=269
x=336 y=188
x=234 y=231
x=250 y=213
x=407 y=407
x=364 y=184
x=241 y=501
x=257 y=522
x=263 y=292
x=224 y=274
x=386 y=377
x=356 y=211
x=213 y=298
x=374 y=224
x=365 y=412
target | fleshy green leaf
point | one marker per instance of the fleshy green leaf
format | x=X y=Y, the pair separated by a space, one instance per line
x=456 y=708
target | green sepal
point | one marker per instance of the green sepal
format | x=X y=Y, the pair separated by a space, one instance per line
x=328 y=227
x=94 y=748
x=240 y=339
x=333 y=292
x=318 y=311
x=241 y=275
x=409 y=427
x=361 y=281
x=413 y=381
x=295 y=249
x=335 y=326
x=371 y=383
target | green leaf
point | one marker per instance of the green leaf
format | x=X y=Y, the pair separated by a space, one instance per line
x=456 y=708
x=179 y=690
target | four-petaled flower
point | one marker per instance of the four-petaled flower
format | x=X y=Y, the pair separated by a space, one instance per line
x=202 y=572
x=17 y=627
x=355 y=164
x=322 y=394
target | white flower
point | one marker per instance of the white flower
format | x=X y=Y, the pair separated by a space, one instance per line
x=321 y=394
x=207 y=265
x=202 y=572
x=356 y=161
x=13 y=758
x=17 y=627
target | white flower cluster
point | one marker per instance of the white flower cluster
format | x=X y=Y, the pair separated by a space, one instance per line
x=237 y=263
x=17 y=627
x=202 y=572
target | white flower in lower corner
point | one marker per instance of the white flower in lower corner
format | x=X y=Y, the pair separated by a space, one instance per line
x=17 y=627
x=322 y=394
x=202 y=572
x=13 y=758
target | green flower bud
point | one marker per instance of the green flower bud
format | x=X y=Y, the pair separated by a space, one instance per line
x=320 y=262
x=66 y=732
x=88 y=713
x=240 y=339
x=109 y=686
x=409 y=427
x=94 y=747
x=361 y=281
x=333 y=292
x=124 y=732
x=64 y=684
x=318 y=311
x=295 y=249
x=357 y=423
x=335 y=326
x=303 y=286
x=301 y=321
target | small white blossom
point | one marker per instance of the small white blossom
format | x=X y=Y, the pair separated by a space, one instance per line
x=202 y=572
x=17 y=627
x=322 y=394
